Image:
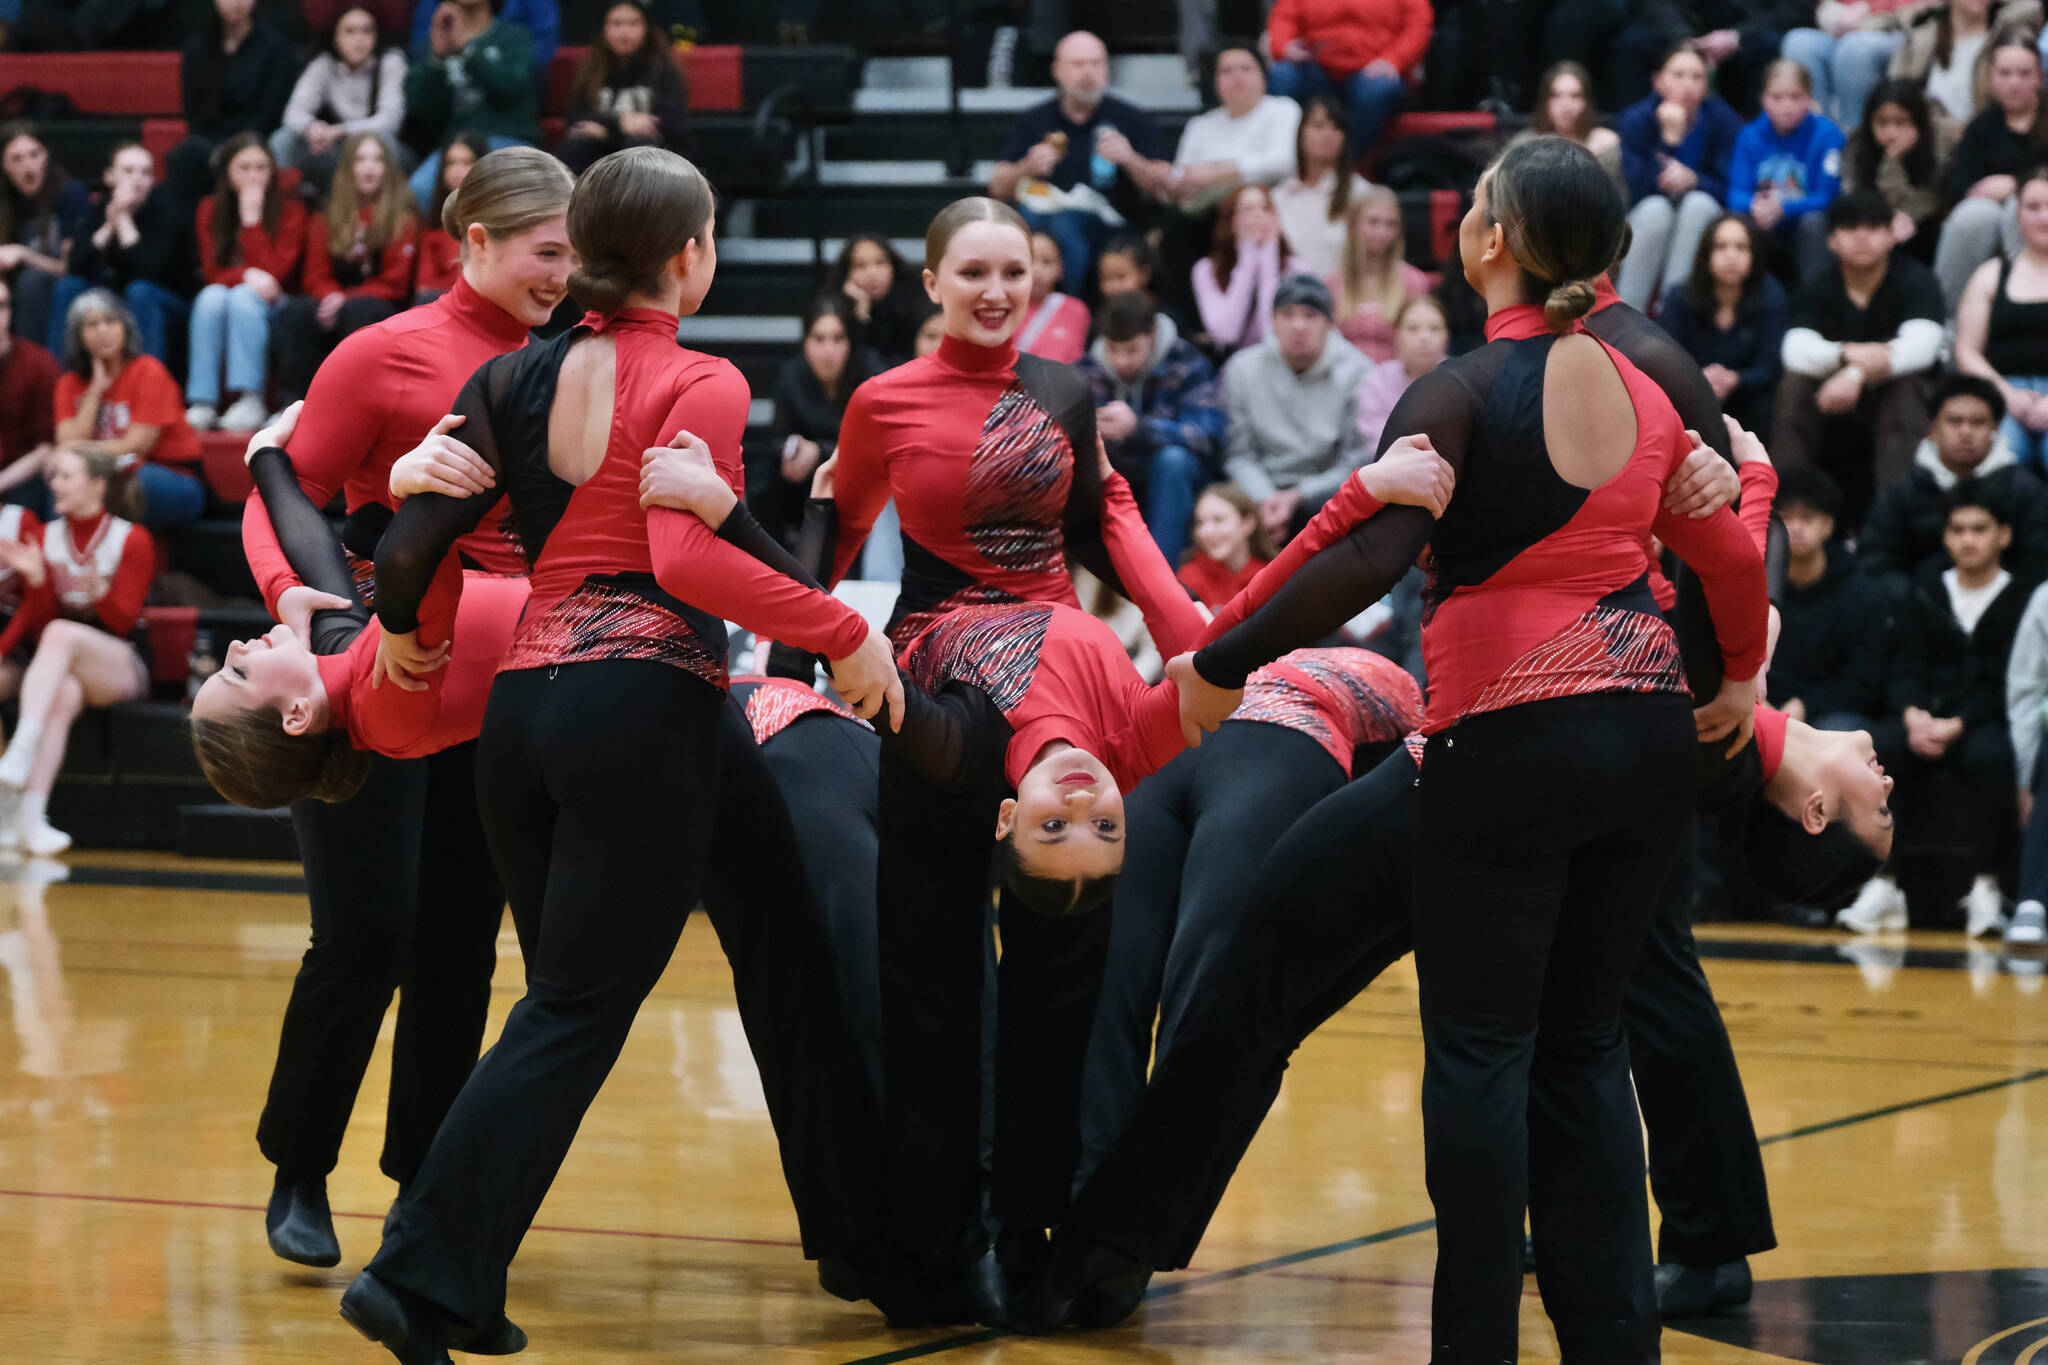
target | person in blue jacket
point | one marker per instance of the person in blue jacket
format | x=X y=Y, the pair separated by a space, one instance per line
x=1675 y=148
x=1787 y=168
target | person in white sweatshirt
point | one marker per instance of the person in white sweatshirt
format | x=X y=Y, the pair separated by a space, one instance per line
x=2026 y=711
x=355 y=85
x=1247 y=140
x=1292 y=404
x=1862 y=339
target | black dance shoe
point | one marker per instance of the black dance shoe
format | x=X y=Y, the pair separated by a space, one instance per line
x=1691 y=1291
x=300 y=1226
x=1084 y=1274
x=406 y=1326
x=1021 y=1255
x=500 y=1337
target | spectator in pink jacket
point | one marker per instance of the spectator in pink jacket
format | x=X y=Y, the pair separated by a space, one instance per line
x=1249 y=257
x=1359 y=50
x=1057 y=325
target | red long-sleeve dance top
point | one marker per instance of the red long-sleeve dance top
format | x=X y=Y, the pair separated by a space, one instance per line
x=97 y=571
x=1538 y=588
x=1344 y=699
x=990 y=456
x=371 y=402
x=23 y=527
x=610 y=581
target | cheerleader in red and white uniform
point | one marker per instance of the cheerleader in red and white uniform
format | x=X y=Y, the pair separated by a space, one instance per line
x=83 y=592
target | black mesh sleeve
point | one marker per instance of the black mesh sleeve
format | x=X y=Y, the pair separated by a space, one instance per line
x=1351 y=574
x=429 y=524
x=815 y=543
x=310 y=548
x=955 y=741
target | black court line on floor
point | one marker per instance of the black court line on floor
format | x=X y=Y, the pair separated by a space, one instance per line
x=1839 y=952
x=954 y=1343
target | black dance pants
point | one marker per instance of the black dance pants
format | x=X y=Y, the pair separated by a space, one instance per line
x=1196 y=833
x=1547 y=830
x=1329 y=912
x=826 y=767
x=932 y=886
x=404 y=898
x=615 y=795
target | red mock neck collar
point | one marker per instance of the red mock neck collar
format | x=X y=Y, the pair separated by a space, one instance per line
x=337 y=676
x=652 y=321
x=1520 y=322
x=84 y=529
x=485 y=317
x=1603 y=293
x=969 y=358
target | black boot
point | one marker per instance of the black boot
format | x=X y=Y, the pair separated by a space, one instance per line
x=500 y=1337
x=1691 y=1291
x=300 y=1226
x=408 y=1327
x=1081 y=1267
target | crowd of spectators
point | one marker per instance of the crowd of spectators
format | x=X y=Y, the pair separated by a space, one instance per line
x=1839 y=209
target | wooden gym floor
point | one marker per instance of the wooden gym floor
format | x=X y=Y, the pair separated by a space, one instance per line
x=1902 y=1095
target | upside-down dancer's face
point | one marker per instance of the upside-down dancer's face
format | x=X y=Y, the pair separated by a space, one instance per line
x=527 y=275
x=1853 y=786
x=1067 y=818
x=983 y=283
x=272 y=670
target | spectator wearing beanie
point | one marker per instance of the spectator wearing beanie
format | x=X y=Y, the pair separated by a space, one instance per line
x=1863 y=337
x=1160 y=416
x=1829 y=666
x=1358 y=50
x=1902 y=537
x=1292 y=405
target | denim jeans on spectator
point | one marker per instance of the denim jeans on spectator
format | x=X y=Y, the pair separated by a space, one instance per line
x=1976 y=231
x=2033 y=884
x=35 y=305
x=881 y=558
x=2029 y=447
x=234 y=320
x=1845 y=70
x=1080 y=235
x=1174 y=478
x=170 y=496
x=1372 y=99
x=422 y=182
x=1667 y=237
x=157 y=310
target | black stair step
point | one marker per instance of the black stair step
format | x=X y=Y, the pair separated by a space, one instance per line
x=929 y=136
x=211 y=551
x=222 y=831
x=892 y=210
x=754 y=290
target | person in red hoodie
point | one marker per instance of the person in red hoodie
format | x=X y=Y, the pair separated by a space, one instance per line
x=440 y=247
x=1360 y=50
x=359 y=262
x=252 y=238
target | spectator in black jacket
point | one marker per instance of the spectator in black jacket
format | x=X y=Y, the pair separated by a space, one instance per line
x=1903 y=536
x=1951 y=642
x=887 y=299
x=1731 y=318
x=628 y=92
x=1828 y=668
x=237 y=74
x=137 y=241
x=810 y=400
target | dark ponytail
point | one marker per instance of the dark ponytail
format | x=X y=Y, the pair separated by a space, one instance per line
x=1563 y=220
x=631 y=214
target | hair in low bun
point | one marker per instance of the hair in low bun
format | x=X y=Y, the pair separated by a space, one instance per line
x=1563 y=220
x=630 y=214
x=1568 y=303
x=509 y=191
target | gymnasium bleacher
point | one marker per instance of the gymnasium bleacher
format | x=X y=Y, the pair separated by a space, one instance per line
x=805 y=144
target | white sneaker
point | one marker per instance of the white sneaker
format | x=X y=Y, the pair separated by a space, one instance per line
x=1984 y=908
x=200 y=416
x=1879 y=906
x=2029 y=924
x=45 y=840
x=244 y=414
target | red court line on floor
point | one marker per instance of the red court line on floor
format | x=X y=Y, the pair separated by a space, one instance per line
x=258 y=1208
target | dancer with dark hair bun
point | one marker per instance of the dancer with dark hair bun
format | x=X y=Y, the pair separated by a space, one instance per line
x=615 y=781
x=1554 y=786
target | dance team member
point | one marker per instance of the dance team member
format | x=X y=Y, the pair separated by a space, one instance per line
x=403 y=892
x=82 y=591
x=1332 y=909
x=1554 y=681
x=988 y=452
x=611 y=764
